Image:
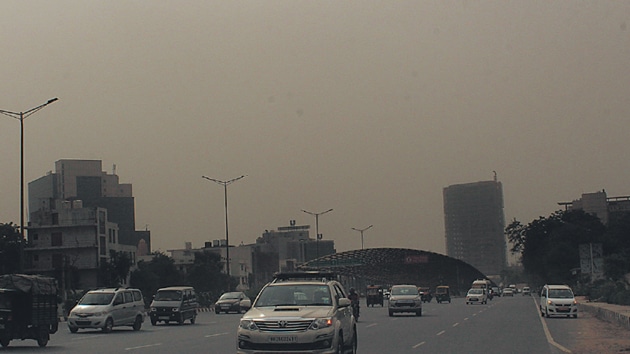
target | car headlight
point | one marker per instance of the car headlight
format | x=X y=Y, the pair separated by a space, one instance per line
x=549 y=302
x=175 y=309
x=248 y=325
x=320 y=323
x=153 y=309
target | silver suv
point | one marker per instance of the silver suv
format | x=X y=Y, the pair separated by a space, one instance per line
x=108 y=308
x=301 y=312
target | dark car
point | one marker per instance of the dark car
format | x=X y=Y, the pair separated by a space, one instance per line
x=232 y=302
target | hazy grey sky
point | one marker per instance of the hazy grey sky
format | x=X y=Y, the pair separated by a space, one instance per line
x=367 y=107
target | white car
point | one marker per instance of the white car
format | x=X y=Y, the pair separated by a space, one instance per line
x=108 y=308
x=405 y=298
x=558 y=300
x=296 y=312
x=527 y=291
x=476 y=296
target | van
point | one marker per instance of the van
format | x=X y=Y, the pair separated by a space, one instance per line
x=557 y=300
x=108 y=308
x=175 y=303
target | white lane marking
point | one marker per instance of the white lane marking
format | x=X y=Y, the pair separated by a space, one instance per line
x=215 y=335
x=82 y=337
x=547 y=333
x=371 y=325
x=441 y=333
x=466 y=319
x=144 y=346
x=456 y=324
x=417 y=345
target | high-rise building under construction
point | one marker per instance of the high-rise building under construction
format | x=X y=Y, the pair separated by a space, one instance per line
x=474 y=223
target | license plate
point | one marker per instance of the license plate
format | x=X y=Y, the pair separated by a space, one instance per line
x=163 y=317
x=283 y=339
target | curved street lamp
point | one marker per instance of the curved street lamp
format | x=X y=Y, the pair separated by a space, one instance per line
x=317 y=228
x=21 y=116
x=227 y=238
x=361 y=231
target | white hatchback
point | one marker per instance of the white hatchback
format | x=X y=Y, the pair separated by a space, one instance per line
x=558 y=300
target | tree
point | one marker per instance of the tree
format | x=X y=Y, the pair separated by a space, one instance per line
x=549 y=246
x=206 y=275
x=114 y=272
x=150 y=276
x=10 y=239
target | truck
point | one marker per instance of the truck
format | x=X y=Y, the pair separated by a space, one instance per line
x=28 y=308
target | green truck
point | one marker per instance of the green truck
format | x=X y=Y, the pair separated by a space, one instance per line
x=28 y=308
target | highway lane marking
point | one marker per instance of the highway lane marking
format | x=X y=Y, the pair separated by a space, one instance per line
x=82 y=338
x=441 y=333
x=547 y=333
x=215 y=335
x=466 y=319
x=371 y=325
x=456 y=324
x=144 y=346
x=417 y=345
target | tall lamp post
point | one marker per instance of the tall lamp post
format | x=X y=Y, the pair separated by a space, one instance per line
x=21 y=116
x=317 y=228
x=361 y=231
x=227 y=238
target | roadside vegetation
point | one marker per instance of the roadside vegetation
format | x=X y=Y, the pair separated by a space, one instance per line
x=549 y=252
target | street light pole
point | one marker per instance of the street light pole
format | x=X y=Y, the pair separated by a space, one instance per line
x=317 y=228
x=21 y=116
x=227 y=238
x=361 y=231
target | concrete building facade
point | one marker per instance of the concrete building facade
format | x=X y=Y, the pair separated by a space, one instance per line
x=77 y=215
x=474 y=225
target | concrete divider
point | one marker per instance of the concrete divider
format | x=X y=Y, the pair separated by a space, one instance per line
x=617 y=314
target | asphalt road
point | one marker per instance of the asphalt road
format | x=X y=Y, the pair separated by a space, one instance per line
x=504 y=325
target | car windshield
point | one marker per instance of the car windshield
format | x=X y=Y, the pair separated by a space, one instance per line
x=230 y=296
x=405 y=290
x=475 y=291
x=168 y=295
x=291 y=295
x=560 y=294
x=96 y=299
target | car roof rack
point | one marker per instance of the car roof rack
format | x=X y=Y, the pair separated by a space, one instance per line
x=305 y=275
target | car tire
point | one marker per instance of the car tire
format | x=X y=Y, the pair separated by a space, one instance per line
x=193 y=318
x=391 y=313
x=42 y=337
x=109 y=325
x=340 y=345
x=180 y=319
x=137 y=324
x=355 y=343
x=73 y=329
x=4 y=341
x=575 y=316
x=419 y=313
x=546 y=313
x=153 y=322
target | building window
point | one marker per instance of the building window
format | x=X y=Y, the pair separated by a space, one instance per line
x=56 y=239
x=103 y=246
x=55 y=219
